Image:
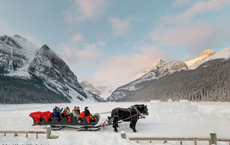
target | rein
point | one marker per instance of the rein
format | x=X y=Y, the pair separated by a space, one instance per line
x=131 y=116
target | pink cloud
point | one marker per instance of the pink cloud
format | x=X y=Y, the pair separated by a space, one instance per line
x=101 y=43
x=120 y=27
x=200 y=7
x=77 y=38
x=195 y=36
x=118 y=70
x=86 y=9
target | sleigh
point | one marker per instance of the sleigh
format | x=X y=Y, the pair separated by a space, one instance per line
x=47 y=118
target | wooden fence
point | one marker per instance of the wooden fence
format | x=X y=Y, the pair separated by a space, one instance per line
x=47 y=132
x=150 y=139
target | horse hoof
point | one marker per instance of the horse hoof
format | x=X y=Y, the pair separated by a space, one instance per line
x=115 y=130
x=134 y=130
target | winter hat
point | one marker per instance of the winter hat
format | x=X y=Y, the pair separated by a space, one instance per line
x=77 y=107
x=86 y=107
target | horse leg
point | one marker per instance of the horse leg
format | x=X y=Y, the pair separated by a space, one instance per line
x=134 y=126
x=131 y=125
x=115 y=121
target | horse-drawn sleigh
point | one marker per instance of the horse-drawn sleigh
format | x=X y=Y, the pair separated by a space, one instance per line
x=131 y=114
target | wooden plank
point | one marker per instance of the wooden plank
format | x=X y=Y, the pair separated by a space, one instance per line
x=169 y=139
x=15 y=134
x=36 y=135
x=223 y=139
x=165 y=141
x=54 y=137
x=26 y=134
x=4 y=134
x=195 y=142
x=181 y=142
x=33 y=132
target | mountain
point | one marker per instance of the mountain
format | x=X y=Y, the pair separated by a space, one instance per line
x=224 y=54
x=39 y=73
x=209 y=82
x=193 y=64
x=206 y=80
x=103 y=91
x=159 y=62
x=159 y=69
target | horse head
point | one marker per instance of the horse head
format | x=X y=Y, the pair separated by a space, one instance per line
x=142 y=108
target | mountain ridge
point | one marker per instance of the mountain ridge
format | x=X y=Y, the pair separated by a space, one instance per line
x=44 y=64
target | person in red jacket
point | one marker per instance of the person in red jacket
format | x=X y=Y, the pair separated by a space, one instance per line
x=87 y=113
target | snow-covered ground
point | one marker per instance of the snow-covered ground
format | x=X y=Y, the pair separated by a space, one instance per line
x=210 y=116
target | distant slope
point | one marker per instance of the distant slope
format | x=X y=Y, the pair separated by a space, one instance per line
x=102 y=91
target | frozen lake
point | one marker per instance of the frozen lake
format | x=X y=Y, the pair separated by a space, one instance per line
x=209 y=117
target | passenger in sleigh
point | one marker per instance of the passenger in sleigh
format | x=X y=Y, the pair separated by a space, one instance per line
x=87 y=113
x=76 y=113
x=65 y=112
x=57 y=111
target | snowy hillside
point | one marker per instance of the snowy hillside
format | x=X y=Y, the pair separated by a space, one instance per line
x=159 y=69
x=16 y=53
x=207 y=56
x=22 y=59
x=194 y=63
x=224 y=54
x=159 y=63
x=102 y=91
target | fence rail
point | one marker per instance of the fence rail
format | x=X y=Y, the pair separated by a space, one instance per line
x=177 y=139
x=47 y=132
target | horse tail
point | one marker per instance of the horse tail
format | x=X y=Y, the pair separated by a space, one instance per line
x=113 y=113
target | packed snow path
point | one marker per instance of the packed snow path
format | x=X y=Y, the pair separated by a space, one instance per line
x=210 y=116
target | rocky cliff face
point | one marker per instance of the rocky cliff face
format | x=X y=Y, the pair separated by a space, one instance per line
x=22 y=59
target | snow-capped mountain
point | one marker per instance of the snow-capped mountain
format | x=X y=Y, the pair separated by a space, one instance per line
x=194 y=63
x=224 y=54
x=102 y=91
x=159 y=69
x=159 y=63
x=192 y=84
x=16 y=53
x=22 y=59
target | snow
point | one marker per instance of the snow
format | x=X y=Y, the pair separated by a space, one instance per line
x=210 y=116
x=225 y=54
x=27 y=50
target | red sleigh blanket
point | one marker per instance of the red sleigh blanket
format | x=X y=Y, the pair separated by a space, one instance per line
x=37 y=115
x=82 y=114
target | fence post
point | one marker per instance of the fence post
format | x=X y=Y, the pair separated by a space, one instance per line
x=123 y=135
x=213 y=138
x=48 y=132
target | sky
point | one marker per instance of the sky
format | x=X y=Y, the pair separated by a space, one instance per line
x=107 y=42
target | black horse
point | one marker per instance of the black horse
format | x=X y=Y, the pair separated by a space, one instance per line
x=128 y=114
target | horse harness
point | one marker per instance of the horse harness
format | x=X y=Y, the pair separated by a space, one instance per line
x=129 y=109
